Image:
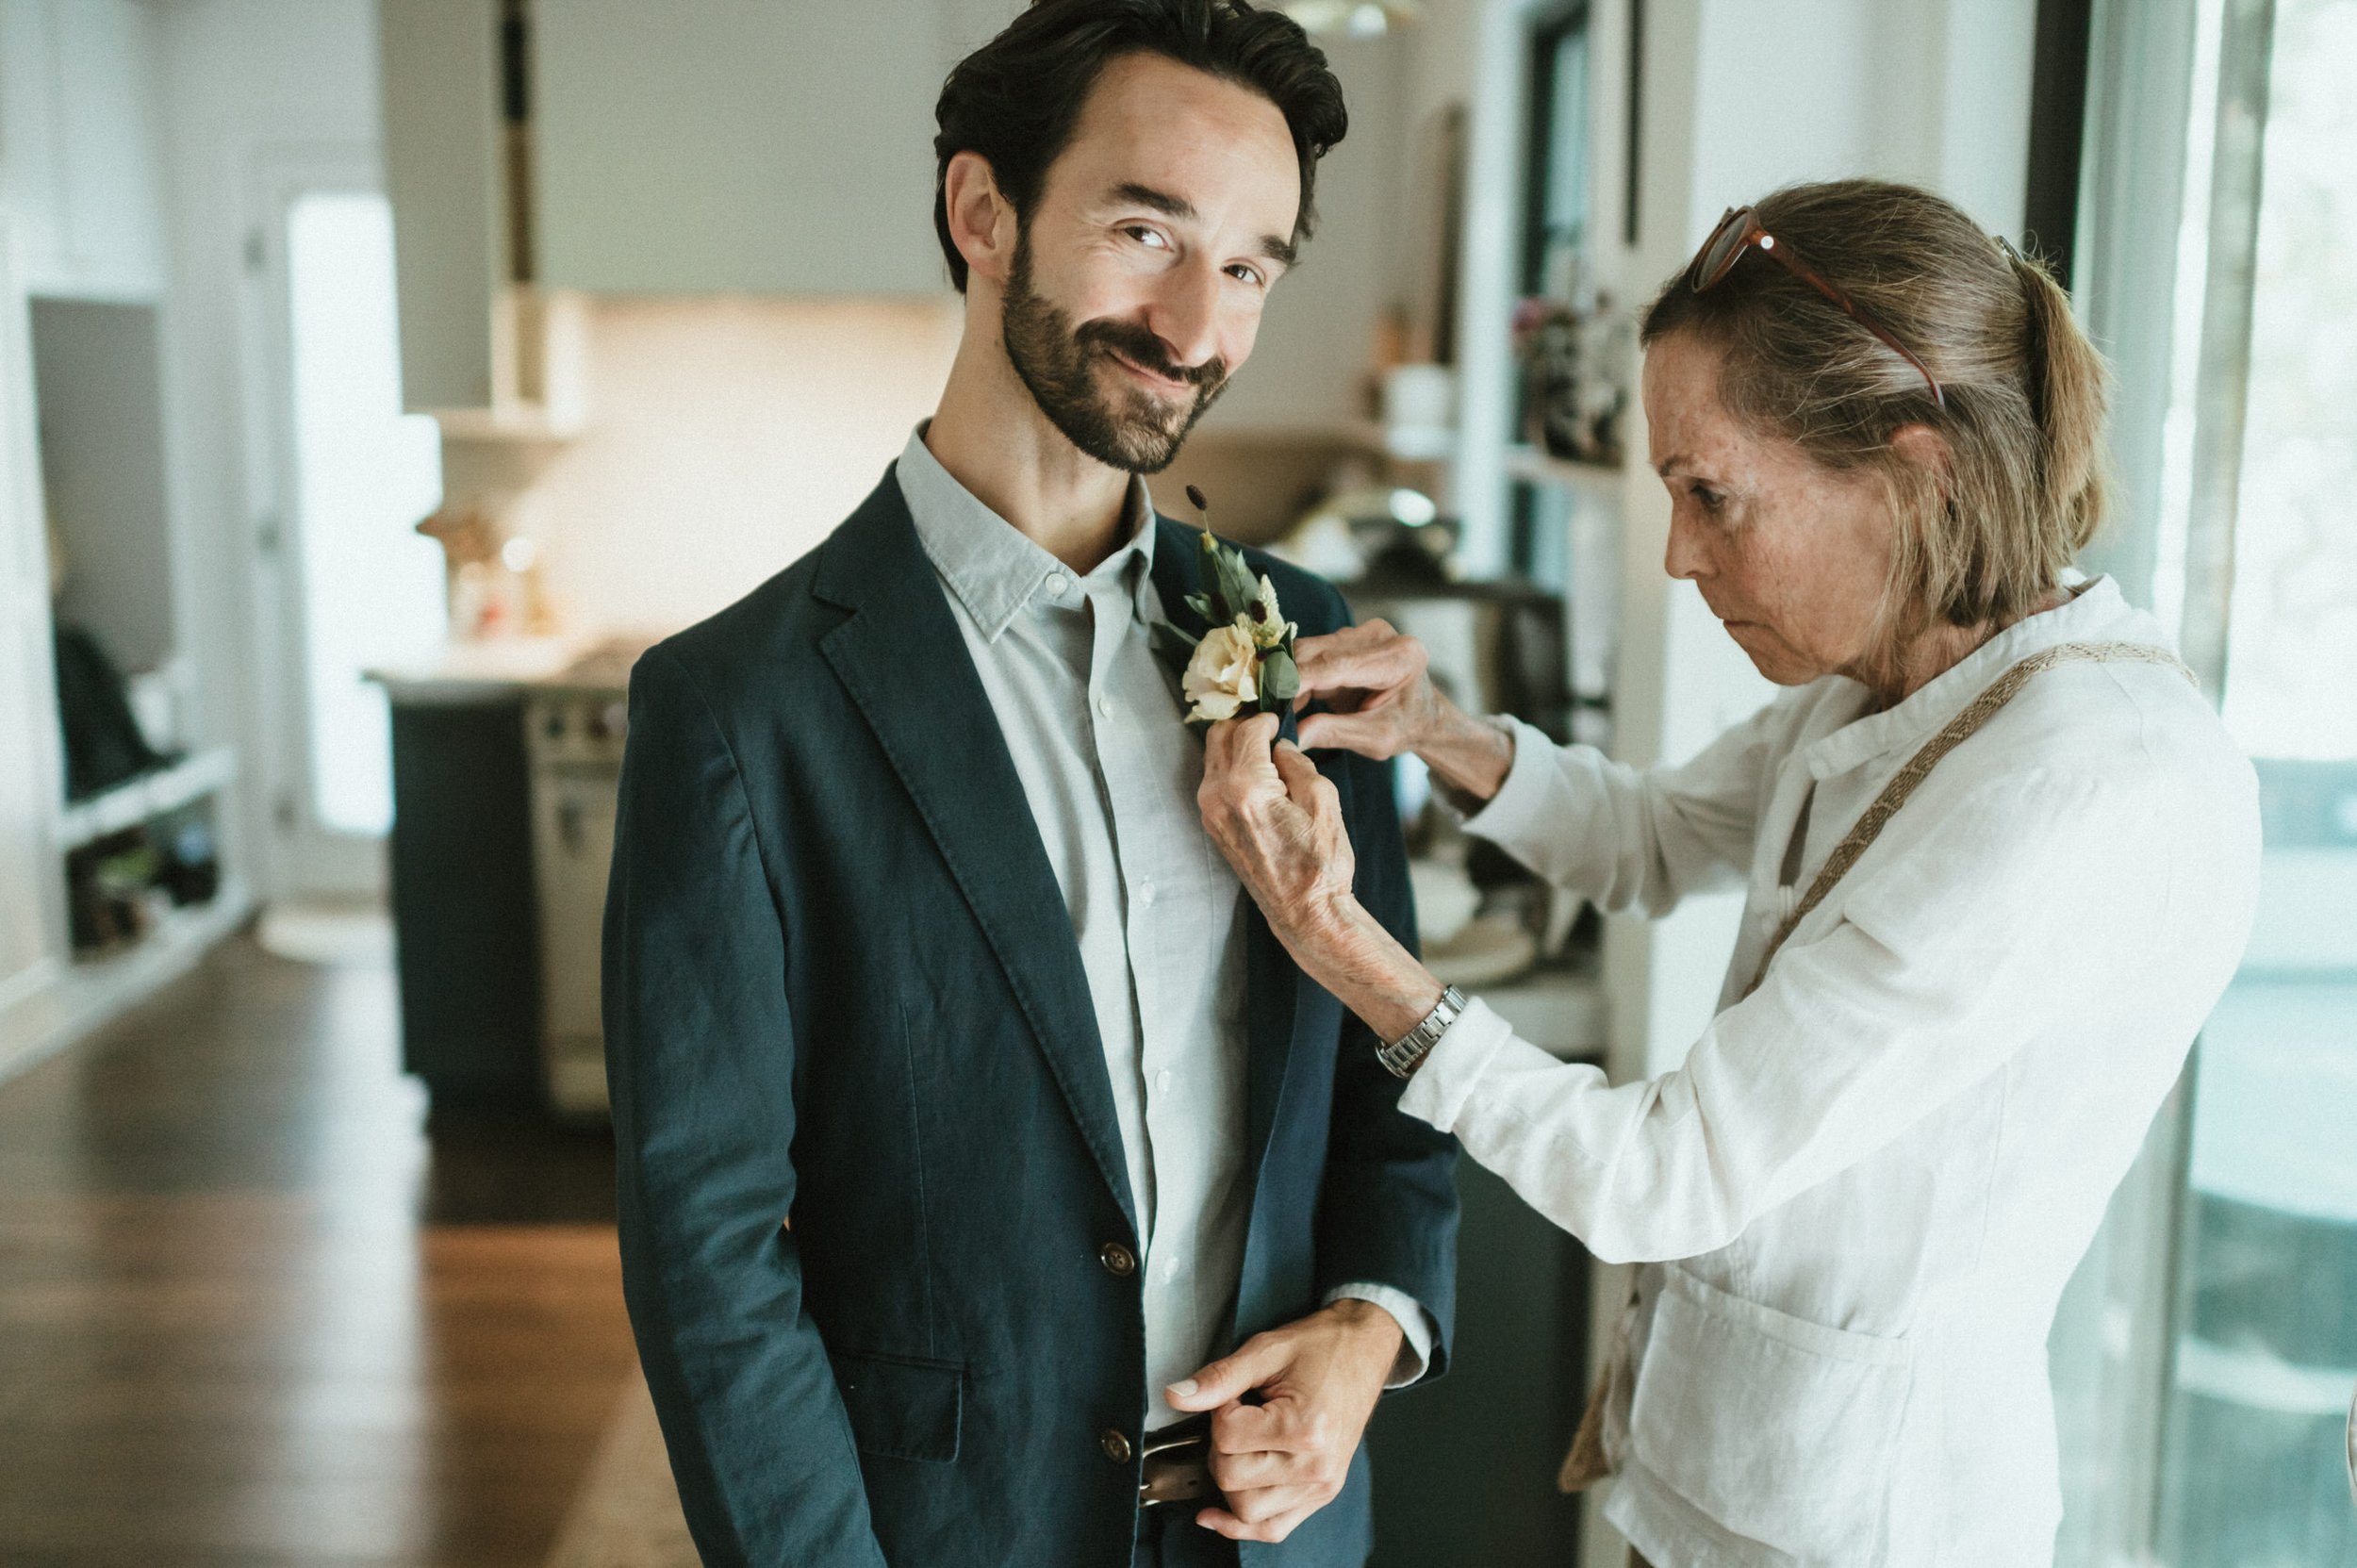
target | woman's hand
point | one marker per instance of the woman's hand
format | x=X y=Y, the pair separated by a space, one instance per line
x=1279 y=821
x=1377 y=683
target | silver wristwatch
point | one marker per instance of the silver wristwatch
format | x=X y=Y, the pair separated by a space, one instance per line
x=1407 y=1054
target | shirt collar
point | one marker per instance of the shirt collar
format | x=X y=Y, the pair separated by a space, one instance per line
x=993 y=566
x=2097 y=611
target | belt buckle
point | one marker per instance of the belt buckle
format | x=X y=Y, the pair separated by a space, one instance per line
x=1176 y=1466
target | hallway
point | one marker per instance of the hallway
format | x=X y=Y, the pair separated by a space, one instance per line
x=254 y=1312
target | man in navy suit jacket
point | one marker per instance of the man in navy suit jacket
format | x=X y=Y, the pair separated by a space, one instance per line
x=879 y=1051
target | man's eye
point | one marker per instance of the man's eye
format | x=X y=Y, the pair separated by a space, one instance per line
x=1707 y=499
x=1144 y=236
x=1246 y=275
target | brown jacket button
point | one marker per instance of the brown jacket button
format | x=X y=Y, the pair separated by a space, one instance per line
x=1117 y=1446
x=1117 y=1259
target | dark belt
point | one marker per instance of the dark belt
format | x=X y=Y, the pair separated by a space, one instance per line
x=1176 y=1465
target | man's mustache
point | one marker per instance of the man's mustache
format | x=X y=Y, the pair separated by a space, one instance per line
x=1144 y=349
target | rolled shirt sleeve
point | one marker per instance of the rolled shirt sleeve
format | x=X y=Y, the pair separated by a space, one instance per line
x=1416 y=1326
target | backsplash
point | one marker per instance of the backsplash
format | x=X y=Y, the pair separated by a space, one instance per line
x=724 y=439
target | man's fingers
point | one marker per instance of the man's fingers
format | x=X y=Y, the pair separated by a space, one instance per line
x=1227 y=1379
x=1272 y=1529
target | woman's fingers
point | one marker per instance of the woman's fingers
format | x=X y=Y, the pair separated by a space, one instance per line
x=1370 y=658
x=1372 y=734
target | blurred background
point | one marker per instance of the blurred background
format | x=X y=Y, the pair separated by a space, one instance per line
x=377 y=379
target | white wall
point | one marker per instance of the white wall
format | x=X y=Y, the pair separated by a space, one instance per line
x=246 y=81
x=724 y=438
x=1308 y=370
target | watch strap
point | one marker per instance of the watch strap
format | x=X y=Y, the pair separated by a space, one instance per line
x=1404 y=1055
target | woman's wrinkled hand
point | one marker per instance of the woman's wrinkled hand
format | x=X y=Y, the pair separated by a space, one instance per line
x=1279 y=821
x=1376 y=682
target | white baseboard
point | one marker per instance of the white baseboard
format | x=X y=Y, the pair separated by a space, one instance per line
x=53 y=1004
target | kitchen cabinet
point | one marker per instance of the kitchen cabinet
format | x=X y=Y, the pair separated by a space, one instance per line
x=766 y=147
x=444 y=175
x=464 y=917
x=79 y=153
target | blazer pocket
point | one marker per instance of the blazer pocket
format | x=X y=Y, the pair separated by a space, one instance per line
x=1782 y=1430
x=902 y=1408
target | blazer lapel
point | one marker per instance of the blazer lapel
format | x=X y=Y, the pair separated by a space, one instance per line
x=1273 y=987
x=901 y=658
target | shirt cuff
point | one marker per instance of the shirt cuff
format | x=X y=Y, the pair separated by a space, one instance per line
x=1520 y=807
x=1417 y=1330
x=1438 y=1089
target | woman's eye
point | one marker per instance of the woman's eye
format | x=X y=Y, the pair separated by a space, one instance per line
x=1707 y=499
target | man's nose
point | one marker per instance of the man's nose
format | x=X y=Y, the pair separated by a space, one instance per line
x=1185 y=315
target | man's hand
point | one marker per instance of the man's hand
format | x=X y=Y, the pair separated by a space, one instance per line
x=1280 y=1460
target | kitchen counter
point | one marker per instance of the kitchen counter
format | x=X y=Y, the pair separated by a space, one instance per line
x=502 y=668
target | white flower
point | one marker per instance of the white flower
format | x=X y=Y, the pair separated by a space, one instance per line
x=1223 y=675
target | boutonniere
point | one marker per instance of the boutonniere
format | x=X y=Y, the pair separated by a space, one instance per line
x=1243 y=662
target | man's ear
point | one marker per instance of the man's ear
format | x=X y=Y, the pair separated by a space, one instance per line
x=981 y=221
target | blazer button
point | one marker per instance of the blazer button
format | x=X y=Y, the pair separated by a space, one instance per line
x=1118 y=1260
x=1117 y=1446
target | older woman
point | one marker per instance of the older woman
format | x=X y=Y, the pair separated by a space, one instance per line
x=1999 y=859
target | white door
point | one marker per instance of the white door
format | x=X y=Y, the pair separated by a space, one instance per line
x=342 y=478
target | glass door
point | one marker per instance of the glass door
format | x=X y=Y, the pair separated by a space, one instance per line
x=347 y=584
x=2265 y=1354
x=2205 y=1357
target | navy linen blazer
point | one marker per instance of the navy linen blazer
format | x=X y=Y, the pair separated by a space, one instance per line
x=867 y=1137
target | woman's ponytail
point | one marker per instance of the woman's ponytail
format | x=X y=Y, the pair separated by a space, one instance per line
x=2069 y=390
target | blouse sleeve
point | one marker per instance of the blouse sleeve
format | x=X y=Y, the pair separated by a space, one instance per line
x=1946 y=959
x=1629 y=838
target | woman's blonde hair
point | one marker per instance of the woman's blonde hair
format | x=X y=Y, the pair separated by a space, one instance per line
x=2025 y=392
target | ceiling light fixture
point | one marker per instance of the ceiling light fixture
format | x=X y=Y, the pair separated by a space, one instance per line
x=1352 y=18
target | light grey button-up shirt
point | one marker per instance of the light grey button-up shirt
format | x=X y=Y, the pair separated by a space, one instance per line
x=1095 y=728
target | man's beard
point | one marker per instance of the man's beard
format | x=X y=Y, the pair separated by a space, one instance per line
x=1129 y=429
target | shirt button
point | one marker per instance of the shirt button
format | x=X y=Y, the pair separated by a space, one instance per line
x=1146 y=893
x=1057 y=583
x=1105 y=707
x=1118 y=1260
x=1117 y=1446
x=1162 y=1080
x=1170 y=1269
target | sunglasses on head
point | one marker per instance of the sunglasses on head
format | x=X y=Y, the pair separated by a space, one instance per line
x=1740 y=231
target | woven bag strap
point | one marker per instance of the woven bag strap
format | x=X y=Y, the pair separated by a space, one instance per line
x=1956 y=732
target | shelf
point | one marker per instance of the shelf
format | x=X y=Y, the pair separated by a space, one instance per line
x=88 y=992
x=1598 y=483
x=147 y=797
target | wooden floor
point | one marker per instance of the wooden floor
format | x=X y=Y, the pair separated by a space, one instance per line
x=253 y=1312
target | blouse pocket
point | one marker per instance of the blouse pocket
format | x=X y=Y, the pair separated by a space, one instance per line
x=1780 y=1429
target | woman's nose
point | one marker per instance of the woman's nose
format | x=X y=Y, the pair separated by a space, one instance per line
x=1685 y=557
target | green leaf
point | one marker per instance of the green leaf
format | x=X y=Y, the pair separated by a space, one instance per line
x=1238 y=587
x=1200 y=604
x=1281 y=678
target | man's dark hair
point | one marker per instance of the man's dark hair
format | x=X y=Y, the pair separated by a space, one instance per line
x=1015 y=100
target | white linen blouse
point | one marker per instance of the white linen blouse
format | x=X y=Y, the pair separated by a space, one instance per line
x=1860 y=1199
